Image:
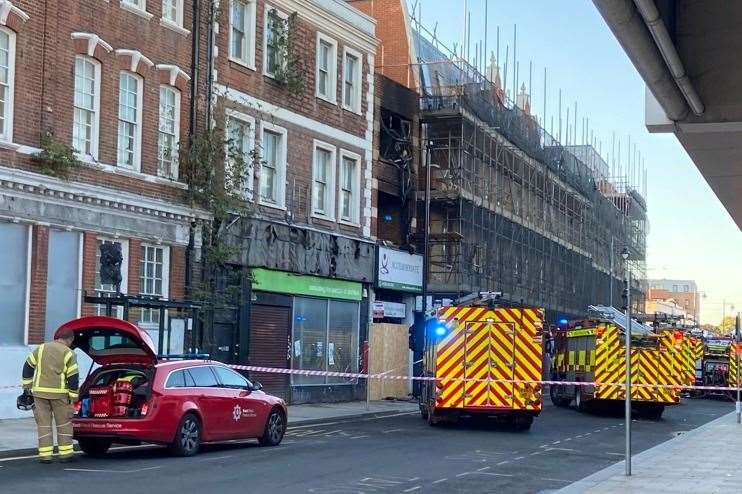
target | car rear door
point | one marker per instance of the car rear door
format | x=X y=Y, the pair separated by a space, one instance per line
x=249 y=411
x=214 y=402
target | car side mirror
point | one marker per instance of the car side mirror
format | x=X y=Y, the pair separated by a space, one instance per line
x=256 y=386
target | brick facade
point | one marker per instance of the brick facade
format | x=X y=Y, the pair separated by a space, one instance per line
x=100 y=198
x=305 y=116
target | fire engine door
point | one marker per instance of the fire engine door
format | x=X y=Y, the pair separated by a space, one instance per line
x=489 y=349
x=644 y=370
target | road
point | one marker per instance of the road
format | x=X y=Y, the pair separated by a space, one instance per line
x=395 y=454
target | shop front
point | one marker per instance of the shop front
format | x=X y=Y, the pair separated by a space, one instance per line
x=307 y=323
x=398 y=282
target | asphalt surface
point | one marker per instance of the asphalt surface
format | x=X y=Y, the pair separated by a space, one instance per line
x=395 y=454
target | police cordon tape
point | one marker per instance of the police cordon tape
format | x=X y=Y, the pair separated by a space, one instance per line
x=382 y=376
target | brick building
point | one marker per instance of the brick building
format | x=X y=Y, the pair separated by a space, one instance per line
x=113 y=81
x=293 y=80
x=683 y=292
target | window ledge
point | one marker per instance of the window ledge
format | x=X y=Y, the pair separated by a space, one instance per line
x=354 y=224
x=352 y=110
x=12 y=146
x=129 y=172
x=136 y=10
x=272 y=205
x=242 y=63
x=174 y=27
x=332 y=101
x=323 y=217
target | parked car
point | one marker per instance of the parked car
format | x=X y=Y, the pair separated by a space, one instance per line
x=135 y=397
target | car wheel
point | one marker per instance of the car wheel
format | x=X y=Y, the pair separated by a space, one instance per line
x=94 y=447
x=187 y=437
x=275 y=428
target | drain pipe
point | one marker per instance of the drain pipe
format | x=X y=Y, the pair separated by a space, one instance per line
x=657 y=28
x=631 y=31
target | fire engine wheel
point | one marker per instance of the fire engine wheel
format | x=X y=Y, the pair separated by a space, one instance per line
x=557 y=399
x=651 y=411
x=187 y=437
x=94 y=447
x=580 y=403
x=522 y=423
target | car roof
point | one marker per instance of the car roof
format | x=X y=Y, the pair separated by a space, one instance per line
x=180 y=363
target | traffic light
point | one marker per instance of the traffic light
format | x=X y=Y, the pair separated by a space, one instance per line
x=110 y=264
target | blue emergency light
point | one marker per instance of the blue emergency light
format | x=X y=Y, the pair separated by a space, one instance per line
x=563 y=322
x=440 y=329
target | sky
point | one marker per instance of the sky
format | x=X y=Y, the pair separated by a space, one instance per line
x=691 y=235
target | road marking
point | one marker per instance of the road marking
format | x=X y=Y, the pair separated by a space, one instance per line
x=358 y=437
x=216 y=458
x=562 y=449
x=413 y=488
x=535 y=453
x=504 y=462
x=483 y=469
x=519 y=457
x=596 y=430
x=556 y=480
x=391 y=430
x=438 y=481
x=568 y=439
x=94 y=470
x=556 y=442
x=616 y=454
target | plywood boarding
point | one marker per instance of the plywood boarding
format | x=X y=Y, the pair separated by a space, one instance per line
x=389 y=351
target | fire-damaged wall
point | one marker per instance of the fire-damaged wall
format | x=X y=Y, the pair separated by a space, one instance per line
x=300 y=250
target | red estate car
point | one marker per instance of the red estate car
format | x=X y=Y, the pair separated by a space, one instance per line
x=134 y=397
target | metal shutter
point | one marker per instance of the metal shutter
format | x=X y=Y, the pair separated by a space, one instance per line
x=269 y=343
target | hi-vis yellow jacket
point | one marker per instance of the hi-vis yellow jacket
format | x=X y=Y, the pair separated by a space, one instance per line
x=51 y=372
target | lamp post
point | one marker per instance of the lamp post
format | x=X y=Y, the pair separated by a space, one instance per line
x=627 y=399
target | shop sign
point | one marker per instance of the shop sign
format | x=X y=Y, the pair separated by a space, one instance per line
x=399 y=270
x=381 y=310
x=297 y=284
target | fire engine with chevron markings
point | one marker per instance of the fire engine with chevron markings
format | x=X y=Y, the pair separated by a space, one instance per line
x=593 y=351
x=485 y=360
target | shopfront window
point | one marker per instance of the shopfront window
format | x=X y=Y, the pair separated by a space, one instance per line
x=325 y=338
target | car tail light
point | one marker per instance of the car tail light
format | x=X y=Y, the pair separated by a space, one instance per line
x=144 y=410
x=77 y=406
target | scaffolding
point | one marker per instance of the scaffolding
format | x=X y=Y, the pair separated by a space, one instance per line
x=511 y=208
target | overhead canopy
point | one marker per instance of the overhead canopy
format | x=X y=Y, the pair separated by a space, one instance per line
x=619 y=319
x=687 y=52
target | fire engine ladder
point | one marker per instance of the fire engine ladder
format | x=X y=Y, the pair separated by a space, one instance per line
x=619 y=319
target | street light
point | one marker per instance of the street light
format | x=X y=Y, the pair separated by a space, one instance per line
x=627 y=398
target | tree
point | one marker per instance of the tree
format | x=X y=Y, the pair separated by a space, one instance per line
x=727 y=325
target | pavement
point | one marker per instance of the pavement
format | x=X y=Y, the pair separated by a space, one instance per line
x=705 y=459
x=18 y=436
x=394 y=452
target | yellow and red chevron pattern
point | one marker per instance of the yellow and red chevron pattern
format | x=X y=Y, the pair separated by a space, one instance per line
x=484 y=349
x=733 y=370
x=692 y=352
x=649 y=366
